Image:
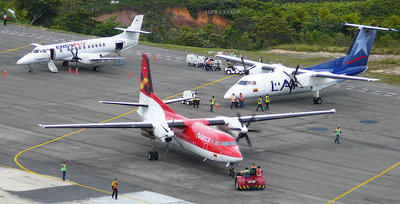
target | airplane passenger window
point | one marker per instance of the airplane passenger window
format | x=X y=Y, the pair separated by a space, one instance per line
x=60 y=50
x=226 y=144
x=233 y=143
x=96 y=45
x=92 y=46
x=104 y=44
x=79 y=47
x=100 y=45
x=216 y=143
x=242 y=82
x=84 y=47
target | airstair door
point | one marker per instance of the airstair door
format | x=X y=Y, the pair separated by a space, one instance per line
x=119 y=45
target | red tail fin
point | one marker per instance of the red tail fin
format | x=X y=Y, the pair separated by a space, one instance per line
x=146 y=86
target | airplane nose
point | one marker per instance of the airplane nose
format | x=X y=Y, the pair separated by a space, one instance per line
x=229 y=93
x=27 y=59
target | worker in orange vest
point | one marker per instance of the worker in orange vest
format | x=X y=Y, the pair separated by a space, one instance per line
x=114 y=186
x=259 y=171
x=241 y=101
x=233 y=100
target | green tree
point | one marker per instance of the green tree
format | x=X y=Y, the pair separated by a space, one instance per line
x=272 y=31
x=40 y=11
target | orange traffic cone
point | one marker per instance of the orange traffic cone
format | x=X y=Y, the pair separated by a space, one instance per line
x=76 y=71
x=5 y=73
x=217 y=106
x=69 y=71
x=155 y=57
x=129 y=74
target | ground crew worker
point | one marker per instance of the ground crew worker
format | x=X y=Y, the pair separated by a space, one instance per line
x=208 y=64
x=212 y=101
x=267 y=100
x=195 y=101
x=64 y=169
x=5 y=19
x=259 y=171
x=338 y=132
x=241 y=101
x=253 y=169
x=259 y=104
x=114 y=186
x=246 y=172
x=233 y=100
x=260 y=60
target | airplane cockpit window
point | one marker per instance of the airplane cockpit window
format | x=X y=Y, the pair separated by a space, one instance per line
x=225 y=144
x=252 y=83
x=242 y=82
x=35 y=51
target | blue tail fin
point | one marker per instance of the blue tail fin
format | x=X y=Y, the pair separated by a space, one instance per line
x=355 y=61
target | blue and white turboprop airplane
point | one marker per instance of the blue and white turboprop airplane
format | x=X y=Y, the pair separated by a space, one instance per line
x=90 y=51
x=276 y=79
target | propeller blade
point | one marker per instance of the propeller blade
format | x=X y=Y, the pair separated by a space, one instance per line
x=248 y=140
x=166 y=148
x=240 y=119
x=251 y=120
x=235 y=129
x=246 y=72
x=254 y=130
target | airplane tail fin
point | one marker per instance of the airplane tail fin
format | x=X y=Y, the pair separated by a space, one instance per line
x=133 y=30
x=356 y=59
x=155 y=105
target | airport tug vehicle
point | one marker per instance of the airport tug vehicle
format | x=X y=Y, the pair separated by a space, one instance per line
x=249 y=179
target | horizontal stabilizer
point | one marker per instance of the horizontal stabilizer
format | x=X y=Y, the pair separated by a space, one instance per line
x=345 y=77
x=177 y=100
x=133 y=31
x=370 y=27
x=124 y=103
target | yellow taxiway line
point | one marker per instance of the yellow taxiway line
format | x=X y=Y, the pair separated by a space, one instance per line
x=367 y=181
x=18 y=48
x=72 y=133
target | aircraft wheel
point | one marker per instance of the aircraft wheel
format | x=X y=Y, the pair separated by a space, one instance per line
x=65 y=63
x=228 y=72
x=318 y=100
x=156 y=155
x=150 y=156
x=30 y=71
x=96 y=68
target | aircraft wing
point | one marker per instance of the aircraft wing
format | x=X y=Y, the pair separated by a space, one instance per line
x=102 y=125
x=237 y=59
x=338 y=76
x=257 y=118
x=106 y=58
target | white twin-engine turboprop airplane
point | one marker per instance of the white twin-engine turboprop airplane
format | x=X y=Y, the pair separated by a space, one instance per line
x=91 y=51
x=276 y=79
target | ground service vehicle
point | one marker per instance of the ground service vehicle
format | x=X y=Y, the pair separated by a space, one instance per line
x=251 y=181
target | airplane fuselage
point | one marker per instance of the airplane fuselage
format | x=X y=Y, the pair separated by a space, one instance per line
x=87 y=49
x=276 y=83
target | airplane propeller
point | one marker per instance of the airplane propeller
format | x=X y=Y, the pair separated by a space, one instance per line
x=245 y=135
x=293 y=80
x=75 y=57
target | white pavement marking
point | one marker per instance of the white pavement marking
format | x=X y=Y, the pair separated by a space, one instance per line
x=146 y=196
x=389 y=95
x=375 y=93
x=349 y=88
x=14 y=180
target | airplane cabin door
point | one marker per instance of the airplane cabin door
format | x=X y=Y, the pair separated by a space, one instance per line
x=119 y=45
x=52 y=54
x=205 y=146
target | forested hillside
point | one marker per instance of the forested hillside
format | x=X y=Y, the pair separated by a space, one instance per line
x=254 y=24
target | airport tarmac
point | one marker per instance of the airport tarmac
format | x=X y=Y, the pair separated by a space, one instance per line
x=301 y=162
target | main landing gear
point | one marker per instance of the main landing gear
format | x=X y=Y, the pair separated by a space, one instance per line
x=65 y=63
x=153 y=155
x=96 y=68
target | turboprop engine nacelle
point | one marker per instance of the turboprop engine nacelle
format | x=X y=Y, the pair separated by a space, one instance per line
x=233 y=126
x=163 y=133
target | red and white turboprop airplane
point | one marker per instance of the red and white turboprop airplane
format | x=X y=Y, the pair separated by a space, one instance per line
x=210 y=138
